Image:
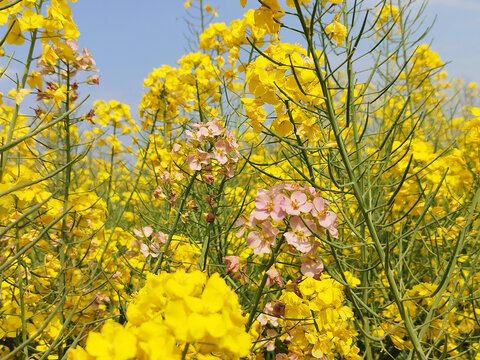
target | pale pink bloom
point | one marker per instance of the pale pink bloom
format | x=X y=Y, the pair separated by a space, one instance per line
x=315 y=245
x=161 y=236
x=173 y=197
x=208 y=178
x=299 y=235
x=93 y=79
x=144 y=250
x=214 y=129
x=202 y=133
x=87 y=53
x=231 y=139
x=269 y=204
x=146 y=232
x=260 y=244
x=193 y=162
x=262 y=319
x=164 y=176
x=85 y=60
x=268 y=315
x=311 y=267
x=297 y=203
x=135 y=245
x=232 y=263
x=252 y=220
x=312 y=191
x=282 y=356
x=153 y=249
x=99 y=299
x=269 y=230
x=176 y=148
x=260 y=241
x=207 y=130
x=220 y=151
x=269 y=343
x=158 y=193
x=319 y=204
x=289 y=186
x=228 y=170
x=177 y=175
x=240 y=223
x=235 y=156
x=192 y=136
x=329 y=222
x=196 y=160
x=72 y=45
x=274 y=276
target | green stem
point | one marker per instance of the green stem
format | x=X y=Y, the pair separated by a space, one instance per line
x=13 y=120
x=110 y=179
x=21 y=296
x=258 y=295
x=175 y=222
x=185 y=351
x=66 y=192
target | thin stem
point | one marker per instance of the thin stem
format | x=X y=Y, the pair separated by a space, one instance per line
x=13 y=120
x=175 y=222
x=258 y=295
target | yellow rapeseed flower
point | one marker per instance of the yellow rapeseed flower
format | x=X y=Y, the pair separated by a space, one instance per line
x=338 y=32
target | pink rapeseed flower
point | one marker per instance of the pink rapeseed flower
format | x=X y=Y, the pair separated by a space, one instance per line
x=269 y=204
x=146 y=232
x=299 y=236
x=232 y=264
x=319 y=204
x=274 y=277
x=221 y=151
x=196 y=160
x=260 y=241
x=329 y=222
x=297 y=203
x=312 y=267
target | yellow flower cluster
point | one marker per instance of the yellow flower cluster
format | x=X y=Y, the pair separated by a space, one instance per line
x=338 y=31
x=173 y=313
x=286 y=72
x=387 y=17
x=25 y=16
x=317 y=320
x=174 y=93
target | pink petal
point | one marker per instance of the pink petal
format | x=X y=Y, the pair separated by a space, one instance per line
x=193 y=163
x=274 y=276
x=147 y=230
x=312 y=269
x=232 y=263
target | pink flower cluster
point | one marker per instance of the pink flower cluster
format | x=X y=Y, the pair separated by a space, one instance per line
x=301 y=208
x=150 y=247
x=81 y=60
x=211 y=140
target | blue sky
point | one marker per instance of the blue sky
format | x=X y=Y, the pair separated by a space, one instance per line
x=130 y=38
